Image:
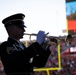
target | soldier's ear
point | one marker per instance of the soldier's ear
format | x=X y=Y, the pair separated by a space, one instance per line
x=10 y=29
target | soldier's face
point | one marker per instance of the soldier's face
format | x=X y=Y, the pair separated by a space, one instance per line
x=21 y=31
x=18 y=32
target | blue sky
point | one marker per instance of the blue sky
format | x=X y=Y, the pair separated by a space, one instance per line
x=70 y=7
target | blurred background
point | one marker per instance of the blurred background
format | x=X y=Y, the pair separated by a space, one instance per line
x=58 y=17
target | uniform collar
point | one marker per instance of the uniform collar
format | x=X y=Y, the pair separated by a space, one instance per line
x=13 y=40
x=16 y=43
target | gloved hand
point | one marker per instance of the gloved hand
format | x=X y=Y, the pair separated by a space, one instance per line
x=41 y=36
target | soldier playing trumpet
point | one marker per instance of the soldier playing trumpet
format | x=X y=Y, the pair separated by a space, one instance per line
x=16 y=58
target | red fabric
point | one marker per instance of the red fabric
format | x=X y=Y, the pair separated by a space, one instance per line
x=72 y=25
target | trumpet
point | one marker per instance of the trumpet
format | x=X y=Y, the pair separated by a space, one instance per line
x=45 y=42
x=47 y=38
x=34 y=34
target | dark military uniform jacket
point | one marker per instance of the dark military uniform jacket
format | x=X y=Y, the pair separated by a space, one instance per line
x=17 y=58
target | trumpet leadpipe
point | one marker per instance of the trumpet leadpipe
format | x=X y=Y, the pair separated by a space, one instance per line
x=30 y=34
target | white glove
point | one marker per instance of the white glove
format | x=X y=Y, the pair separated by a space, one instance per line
x=41 y=36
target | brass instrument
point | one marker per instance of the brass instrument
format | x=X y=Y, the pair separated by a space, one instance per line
x=46 y=42
x=34 y=34
x=47 y=38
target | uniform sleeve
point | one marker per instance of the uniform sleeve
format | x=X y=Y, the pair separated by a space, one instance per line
x=42 y=55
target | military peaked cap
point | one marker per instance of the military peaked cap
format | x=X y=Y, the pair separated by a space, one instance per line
x=16 y=19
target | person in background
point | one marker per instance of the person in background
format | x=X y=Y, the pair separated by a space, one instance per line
x=53 y=60
x=69 y=40
x=53 y=42
x=18 y=59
